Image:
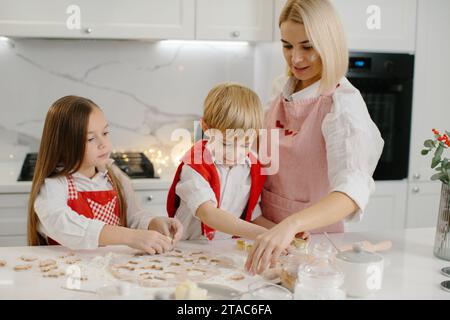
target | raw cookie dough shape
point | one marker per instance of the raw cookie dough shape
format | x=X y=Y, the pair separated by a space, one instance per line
x=23 y=267
x=28 y=258
x=169 y=269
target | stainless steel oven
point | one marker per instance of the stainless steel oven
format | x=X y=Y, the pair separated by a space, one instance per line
x=385 y=81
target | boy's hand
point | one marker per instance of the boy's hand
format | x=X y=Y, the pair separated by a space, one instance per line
x=170 y=227
x=149 y=241
x=305 y=235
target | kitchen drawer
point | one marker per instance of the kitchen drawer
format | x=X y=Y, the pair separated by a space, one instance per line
x=14 y=200
x=157 y=210
x=13 y=241
x=152 y=197
x=154 y=201
x=13 y=221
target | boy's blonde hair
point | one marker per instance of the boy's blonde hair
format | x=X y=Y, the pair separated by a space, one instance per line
x=326 y=33
x=232 y=106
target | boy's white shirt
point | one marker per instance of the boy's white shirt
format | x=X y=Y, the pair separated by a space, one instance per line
x=194 y=190
x=59 y=222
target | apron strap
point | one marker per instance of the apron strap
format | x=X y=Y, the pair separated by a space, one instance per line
x=73 y=193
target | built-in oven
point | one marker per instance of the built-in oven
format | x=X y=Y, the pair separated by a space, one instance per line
x=385 y=81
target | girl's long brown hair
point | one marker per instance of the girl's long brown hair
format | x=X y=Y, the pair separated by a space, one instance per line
x=61 y=153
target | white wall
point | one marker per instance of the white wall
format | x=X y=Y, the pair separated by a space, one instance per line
x=146 y=88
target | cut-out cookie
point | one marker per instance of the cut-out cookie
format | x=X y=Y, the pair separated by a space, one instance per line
x=145 y=274
x=46 y=263
x=28 y=258
x=155 y=260
x=54 y=274
x=131 y=268
x=140 y=254
x=2 y=263
x=237 y=277
x=23 y=267
x=72 y=260
x=67 y=255
x=49 y=268
x=152 y=267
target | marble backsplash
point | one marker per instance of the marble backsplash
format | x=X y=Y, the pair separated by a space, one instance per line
x=147 y=89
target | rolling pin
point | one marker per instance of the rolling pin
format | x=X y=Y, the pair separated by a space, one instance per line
x=366 y=245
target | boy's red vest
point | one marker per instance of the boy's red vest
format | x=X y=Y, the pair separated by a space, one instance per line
x=201 y=161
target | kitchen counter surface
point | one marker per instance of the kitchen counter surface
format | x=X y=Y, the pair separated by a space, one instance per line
x=10 y=171
x=411 y=270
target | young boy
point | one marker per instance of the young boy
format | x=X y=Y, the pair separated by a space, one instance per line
x=217 y=187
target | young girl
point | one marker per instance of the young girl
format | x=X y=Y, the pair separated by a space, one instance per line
x=329 y=146
x=218 y=184
x=79 y=199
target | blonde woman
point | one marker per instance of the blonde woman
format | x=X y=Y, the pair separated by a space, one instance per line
x=328 y=147
x=216 y=189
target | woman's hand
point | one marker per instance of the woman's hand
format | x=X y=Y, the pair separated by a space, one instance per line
x=269 y=245
x=170 y=227
x=149 y=241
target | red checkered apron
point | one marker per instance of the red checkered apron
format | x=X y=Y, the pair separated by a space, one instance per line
x=99 y=205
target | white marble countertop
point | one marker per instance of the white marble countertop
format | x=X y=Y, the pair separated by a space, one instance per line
x=411 y=271
x=10 y=171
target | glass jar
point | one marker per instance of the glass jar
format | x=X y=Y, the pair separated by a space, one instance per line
x=320 y=278
x=296 y=257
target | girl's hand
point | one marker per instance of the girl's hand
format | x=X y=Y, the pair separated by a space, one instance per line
x=170 y=227
x=149 y=241
x=268 y=247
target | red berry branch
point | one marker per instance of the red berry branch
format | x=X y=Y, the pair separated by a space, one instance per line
x=440 y=164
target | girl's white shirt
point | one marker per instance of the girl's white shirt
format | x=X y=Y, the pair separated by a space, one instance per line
x=194 y=190
x=353 y=141
x=59 y=222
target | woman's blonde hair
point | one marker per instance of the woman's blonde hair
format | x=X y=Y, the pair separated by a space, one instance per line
x=326 y=33
x=232 y=106
x=63 y=143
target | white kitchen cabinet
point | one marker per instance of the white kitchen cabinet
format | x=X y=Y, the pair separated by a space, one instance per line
x=430 y=108
x=279 y=5
x=13 y=219
x=386 y=209
x=246 y=20
x=432 y=68
x=99 y=19
x=379 y=25
x=423 y=204
x=154 y=201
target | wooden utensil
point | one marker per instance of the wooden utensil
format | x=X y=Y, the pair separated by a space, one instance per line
x=367 y=245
